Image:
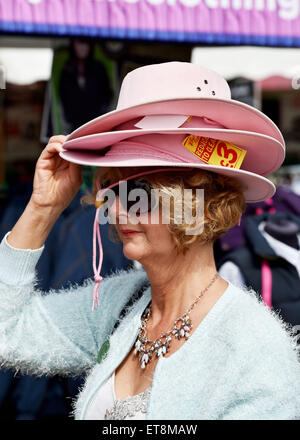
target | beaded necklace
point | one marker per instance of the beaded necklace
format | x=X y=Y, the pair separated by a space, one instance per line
x=159 y=347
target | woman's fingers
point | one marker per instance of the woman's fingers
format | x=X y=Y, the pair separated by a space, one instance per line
x=51 y=149
x=55 y=144
x=58 y=138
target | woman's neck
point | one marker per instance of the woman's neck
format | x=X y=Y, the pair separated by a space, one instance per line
x=176 y=281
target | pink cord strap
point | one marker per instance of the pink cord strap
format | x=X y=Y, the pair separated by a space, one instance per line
x=96 y=231
x=266 y=283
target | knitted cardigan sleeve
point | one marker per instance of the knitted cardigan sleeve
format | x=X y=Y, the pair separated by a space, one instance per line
x=55 y=332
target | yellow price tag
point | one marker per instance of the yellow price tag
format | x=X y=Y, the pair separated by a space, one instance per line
x=214 y=151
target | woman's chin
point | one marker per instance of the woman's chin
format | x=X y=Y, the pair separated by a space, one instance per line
x=133 y=251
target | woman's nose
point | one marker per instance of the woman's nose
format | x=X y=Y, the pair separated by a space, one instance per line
x=118 y=212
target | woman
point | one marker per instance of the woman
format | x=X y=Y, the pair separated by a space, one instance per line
x=212 y=351
x=84 y=84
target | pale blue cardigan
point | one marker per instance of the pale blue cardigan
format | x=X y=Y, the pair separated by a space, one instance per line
x=241 y=362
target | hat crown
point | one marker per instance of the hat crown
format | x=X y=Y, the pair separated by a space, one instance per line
x=171 y=80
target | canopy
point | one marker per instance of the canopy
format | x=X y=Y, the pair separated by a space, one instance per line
x=251 y=22
x=256 y=63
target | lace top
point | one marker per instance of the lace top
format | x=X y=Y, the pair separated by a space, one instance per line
x=105 y=405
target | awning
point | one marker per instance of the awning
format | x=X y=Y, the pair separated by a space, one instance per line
x=256 y=63
x=251 y=22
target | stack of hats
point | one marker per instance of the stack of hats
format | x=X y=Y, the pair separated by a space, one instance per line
x=179 y=114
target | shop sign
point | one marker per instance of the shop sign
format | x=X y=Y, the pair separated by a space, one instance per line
x=265 y=22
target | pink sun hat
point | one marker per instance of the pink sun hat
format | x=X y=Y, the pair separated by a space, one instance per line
x=179 y=88
x=264 y=153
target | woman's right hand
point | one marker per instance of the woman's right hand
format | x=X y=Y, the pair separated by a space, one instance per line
x=56 y=181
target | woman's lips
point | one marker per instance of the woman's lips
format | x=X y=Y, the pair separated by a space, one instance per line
x=129 y=233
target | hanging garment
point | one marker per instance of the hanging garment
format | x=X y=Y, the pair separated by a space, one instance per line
x=284 y=200
x=263 y=255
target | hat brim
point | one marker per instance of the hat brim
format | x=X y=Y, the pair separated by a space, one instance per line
x=231 y=114
x=264 y=154
x=256 y=188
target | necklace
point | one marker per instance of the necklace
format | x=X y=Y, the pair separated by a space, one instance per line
x=147 y=349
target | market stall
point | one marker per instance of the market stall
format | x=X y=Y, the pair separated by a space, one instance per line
x=47 y=45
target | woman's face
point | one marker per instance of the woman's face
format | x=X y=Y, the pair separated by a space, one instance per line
x=145 y=240
x=82 y=49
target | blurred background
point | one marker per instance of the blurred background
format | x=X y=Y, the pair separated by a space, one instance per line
x=62 y=63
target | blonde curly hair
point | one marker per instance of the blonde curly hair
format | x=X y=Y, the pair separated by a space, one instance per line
x=224 y=200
